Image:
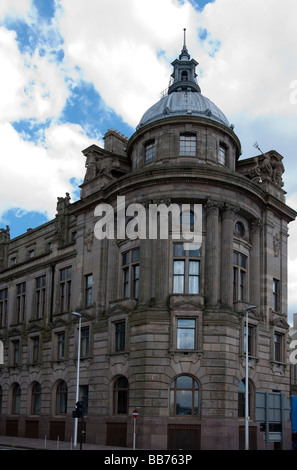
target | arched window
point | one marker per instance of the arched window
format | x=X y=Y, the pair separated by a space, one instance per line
x=120 y=396
x=16 y=399
x=61 y=397
x=184 y=396
x=36 y=399
x=184 y=75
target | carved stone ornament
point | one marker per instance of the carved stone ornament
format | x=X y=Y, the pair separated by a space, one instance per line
x=89 y=238
x=100 y=166
x=268 y=168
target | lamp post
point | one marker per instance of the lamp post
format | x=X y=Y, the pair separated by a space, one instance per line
x=250 y=307
x=77 y=377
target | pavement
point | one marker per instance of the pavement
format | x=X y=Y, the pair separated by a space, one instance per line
x=45 y=444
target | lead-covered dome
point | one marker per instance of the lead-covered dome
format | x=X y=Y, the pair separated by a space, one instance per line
x=184 y=96
x=184 y=103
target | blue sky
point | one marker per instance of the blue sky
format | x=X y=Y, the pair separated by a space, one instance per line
x=75 y=69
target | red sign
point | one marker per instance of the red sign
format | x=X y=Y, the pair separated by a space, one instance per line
x=135 y=414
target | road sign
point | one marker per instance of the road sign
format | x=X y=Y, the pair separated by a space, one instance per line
x=135 y=414
x=272 y=411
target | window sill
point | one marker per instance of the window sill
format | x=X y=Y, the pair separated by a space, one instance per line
x=186 y=356
x=278 y=368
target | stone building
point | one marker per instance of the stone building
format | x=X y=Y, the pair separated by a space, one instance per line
x=162 y=326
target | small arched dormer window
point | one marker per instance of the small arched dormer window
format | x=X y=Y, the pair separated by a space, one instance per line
x=184 y=75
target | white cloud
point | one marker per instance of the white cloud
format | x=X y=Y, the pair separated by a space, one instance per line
x=30 y=86
x=256 y=62
x=15 y=8
x=120 y=57
x=32 y=175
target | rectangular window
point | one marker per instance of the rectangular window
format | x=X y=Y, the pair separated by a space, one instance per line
x=61 y=346
x=85 y=342
x=40 y=284
x=251 y=340
x=150 y=151
x=187 y=145
x=131 y=271
x=186 y=333
x=3 y=307
x=21 y=301
x=35 y=349
x=120 y=336
x=65 y=289
x=239 y=277
x=222 y=154
x=276 y=296
x=16 y=352
x=186 y=269
x=178 y=277
x=88 y=292
x=278 y=347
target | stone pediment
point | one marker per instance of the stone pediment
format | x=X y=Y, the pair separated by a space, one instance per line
x=15 y=332
x=122 y=307
x=33 y=327
x=186 y=303
x=59 y=323
x=280 y=322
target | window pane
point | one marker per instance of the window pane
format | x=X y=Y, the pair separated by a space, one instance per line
x=178 y=249
x=193 y=285
x=185 y=334
x=150 y=152
x=135 y=255
x=188 y=145
x=178 y=285
x=179 y=267
x=184 y=381
x=183 y=402
x=125 y=257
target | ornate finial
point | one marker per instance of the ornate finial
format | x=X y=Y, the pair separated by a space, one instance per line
x=184 y=52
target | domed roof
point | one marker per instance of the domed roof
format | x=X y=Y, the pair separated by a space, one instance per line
x=184 y=103
x=184 y=96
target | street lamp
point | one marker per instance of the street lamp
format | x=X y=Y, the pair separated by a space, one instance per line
x=249 y=307
x=77 y=377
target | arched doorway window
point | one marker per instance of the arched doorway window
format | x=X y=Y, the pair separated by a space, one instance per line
x=61 y=397
x=184 y=396
x=16 y=399
x=120 y=396
x=36 y=399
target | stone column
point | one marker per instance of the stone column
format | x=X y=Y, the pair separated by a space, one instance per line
x=255 y=264
x=212 y=274
x=145 y=273
x=227 y=255
x=161 y=278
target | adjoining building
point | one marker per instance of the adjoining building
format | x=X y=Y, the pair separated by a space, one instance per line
x=163 y=320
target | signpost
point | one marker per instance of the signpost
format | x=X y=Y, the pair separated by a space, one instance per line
x=272 y=411
x=135 y=416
